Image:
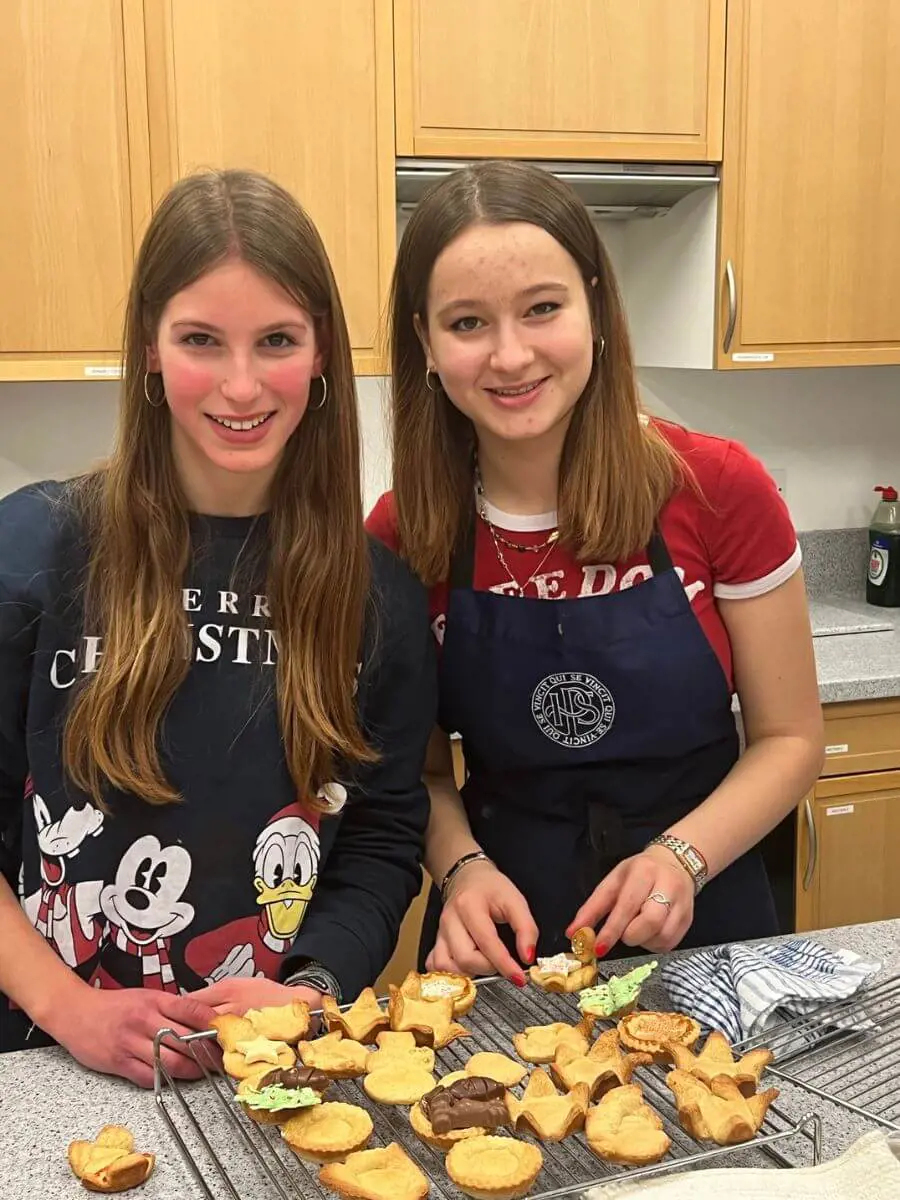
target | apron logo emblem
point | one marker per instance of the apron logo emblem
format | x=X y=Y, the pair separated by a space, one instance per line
x=573 y=709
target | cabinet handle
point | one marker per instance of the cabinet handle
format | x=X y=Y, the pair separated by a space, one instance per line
x=813 y=844
x=732 y=305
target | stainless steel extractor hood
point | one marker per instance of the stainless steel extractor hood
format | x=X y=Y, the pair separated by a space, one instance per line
x=610 y=190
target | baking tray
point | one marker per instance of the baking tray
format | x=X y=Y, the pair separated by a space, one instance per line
x=847 y=1052
x=229 y=1155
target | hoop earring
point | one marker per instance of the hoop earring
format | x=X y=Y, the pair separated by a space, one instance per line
x=153 y=403
x=429 y=371
x=321 y=404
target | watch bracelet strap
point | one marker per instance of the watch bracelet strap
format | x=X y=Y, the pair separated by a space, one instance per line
x=674 y=844
x=314 y=975
x=462 y=861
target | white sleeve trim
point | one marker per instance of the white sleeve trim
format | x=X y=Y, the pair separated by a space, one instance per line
x=759 y=587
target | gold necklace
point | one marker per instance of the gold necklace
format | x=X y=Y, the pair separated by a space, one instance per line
x=495 y=533
x=499 y=541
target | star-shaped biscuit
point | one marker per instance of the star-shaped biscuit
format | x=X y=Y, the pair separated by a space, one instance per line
x=362 y=1021
x=247 y=1056
x=605 y=1066
x=718 y=1111
x=429 y=1021
x=260 y=1050
x=716 y=1058
x=545 y=1112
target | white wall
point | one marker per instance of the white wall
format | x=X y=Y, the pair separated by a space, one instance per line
x=835 y=432
x=53 y=430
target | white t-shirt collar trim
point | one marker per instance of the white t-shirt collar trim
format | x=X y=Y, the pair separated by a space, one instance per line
x=513 y=523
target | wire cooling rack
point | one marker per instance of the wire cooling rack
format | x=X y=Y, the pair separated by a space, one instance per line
x=847 y=1052
x=229 y=1155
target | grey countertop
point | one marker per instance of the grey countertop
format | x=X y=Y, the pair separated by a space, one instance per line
x=46 y=1100
x=855 y=665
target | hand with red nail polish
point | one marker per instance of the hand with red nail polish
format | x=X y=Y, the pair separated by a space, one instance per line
x=647 y=901
x=479 y=899
x=530 y=954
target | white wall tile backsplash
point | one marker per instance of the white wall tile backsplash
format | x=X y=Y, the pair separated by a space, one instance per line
x=53 y=430
x=836 y=432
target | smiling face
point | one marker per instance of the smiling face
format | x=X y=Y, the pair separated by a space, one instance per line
x=509 y=330
x=237 y=356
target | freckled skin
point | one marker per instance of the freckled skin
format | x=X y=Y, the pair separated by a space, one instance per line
x=508 y=337
x=260 y=359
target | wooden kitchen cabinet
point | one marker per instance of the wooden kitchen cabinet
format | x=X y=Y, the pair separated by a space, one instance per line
x=554 y=79
x=298 y=89
x=809 y=231
x=76 y=191
x=847 y=844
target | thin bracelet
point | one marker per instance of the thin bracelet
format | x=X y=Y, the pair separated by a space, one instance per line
x=317 y=977
x=472 y=856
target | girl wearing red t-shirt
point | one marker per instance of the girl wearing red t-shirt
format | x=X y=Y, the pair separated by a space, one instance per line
x=601 y=586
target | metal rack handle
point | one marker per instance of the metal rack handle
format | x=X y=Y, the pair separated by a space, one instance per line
x=732 y=305
x=813 y=858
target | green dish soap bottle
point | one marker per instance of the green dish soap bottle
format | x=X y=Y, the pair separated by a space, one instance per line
x=883 y=583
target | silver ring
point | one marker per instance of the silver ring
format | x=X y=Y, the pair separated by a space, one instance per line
x=661 y=899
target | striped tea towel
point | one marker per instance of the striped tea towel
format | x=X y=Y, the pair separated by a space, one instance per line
x=743 y=988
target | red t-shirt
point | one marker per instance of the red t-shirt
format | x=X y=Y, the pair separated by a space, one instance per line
x=735 y=540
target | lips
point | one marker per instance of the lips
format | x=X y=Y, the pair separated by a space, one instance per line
x=518 y=396
x=512 y=391
x=240 y=424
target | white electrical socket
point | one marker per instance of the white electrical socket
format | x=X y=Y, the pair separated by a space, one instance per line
x=779 y=474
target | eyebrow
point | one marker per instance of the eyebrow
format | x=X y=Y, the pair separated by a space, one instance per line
x=207 y=328
x=548 y=286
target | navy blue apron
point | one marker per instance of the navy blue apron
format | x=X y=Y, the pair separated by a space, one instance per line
x=589 y=725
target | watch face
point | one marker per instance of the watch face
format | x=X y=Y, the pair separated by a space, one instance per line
x=693 y=859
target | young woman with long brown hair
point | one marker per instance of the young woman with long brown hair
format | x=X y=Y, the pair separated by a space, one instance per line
x=215 y=692
x=601 y=584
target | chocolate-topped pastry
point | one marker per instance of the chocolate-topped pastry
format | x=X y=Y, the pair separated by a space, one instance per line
x=297 y=1077
x=471 y=1102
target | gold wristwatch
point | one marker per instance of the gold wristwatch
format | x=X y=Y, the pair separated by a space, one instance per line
x=688 y=856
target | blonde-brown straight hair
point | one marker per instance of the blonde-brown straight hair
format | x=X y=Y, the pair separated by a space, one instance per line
x=137 y=523
x=616 y=471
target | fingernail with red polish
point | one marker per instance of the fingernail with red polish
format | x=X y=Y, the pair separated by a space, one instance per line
x=600 y=949
x=519 y=980
x=529 y=954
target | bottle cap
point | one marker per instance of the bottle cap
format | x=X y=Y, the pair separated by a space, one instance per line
x=887 y=493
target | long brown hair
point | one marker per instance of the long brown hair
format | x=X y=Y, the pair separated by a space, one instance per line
x=137 y=524
x=616 y=471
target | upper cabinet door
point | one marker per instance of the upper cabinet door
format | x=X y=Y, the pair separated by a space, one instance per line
x=588 y=79
x=303 y=91
x=810 y=229
x=73 y=148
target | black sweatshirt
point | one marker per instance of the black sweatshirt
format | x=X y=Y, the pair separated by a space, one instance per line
x=240 y=877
